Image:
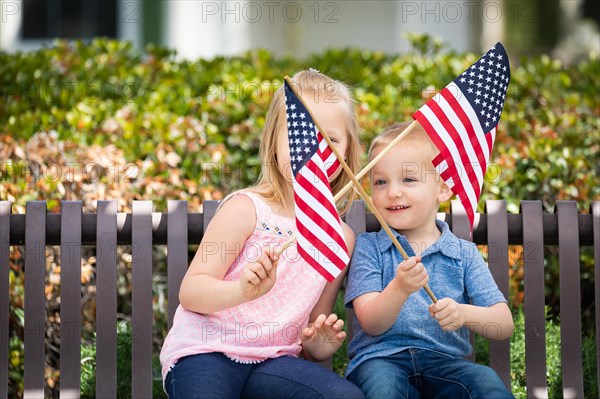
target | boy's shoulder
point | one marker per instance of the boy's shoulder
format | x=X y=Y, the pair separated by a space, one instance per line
x=462 y=249
x=367 y=242
x=451 y=246
x=367 y=238
x=461 y=241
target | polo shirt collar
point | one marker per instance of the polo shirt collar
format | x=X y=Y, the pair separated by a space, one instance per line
x=448 y=244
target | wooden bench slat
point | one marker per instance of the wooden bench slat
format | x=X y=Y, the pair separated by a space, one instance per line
x=35 y=299
x=461 y=229
x=570 y=299
x=498 y=263
x=209 y=208
x=141 y=300
x=177 y=253
x=460 y=221
x=356 y=219
x=106 y=300
x=5 y=208
x=535 y=320
x=70 y=299
x=595 y=211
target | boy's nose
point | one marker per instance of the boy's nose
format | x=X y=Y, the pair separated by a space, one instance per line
x=395 y=191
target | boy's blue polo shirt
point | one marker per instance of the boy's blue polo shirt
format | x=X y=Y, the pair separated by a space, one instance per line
x=456 y=270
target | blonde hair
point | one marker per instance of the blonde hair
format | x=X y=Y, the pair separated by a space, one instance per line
x=271 y=183
x=417 y=137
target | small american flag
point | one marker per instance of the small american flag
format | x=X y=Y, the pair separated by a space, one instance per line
x=320 y=237
x=462 y=119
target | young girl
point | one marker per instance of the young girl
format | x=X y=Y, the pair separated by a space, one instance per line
x=246 y=314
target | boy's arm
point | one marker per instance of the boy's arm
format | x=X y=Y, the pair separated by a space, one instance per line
x=493 y=322
x=488 y=315
x=378 y=311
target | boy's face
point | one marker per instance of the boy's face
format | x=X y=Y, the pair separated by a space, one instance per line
x=406 y=188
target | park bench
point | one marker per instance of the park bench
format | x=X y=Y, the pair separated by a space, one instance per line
x=142 y=228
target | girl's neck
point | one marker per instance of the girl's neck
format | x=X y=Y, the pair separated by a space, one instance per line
x=283 y=206
x=288 y=203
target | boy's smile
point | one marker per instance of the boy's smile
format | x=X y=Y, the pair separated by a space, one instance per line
x=397 y=208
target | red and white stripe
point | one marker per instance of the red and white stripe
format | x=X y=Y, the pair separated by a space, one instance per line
x=320 y=237
x=465 y=149
x=330 y=161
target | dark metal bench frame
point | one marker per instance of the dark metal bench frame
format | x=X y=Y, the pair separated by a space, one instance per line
x=532 y=228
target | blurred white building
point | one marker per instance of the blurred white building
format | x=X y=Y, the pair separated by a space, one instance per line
x=198 y=28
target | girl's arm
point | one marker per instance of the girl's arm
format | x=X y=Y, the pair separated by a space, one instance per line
x=203 y=289
x=328 y=326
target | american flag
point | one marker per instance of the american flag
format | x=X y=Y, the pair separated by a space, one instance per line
x=462 y=120
x=320 y=237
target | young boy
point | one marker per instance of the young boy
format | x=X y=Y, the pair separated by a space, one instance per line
x=404 y=346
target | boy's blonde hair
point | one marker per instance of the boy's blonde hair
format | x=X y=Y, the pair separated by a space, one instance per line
x=271 y=183
x=417 y=137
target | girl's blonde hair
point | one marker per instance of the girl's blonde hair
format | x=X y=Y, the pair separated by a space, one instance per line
x=271 y=183
x=416 y=138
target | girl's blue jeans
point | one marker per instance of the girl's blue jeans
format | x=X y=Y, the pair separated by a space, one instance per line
x=418 y=373
x=213 y=375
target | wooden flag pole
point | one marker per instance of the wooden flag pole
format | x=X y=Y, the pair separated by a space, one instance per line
x=285 y=245
x=362 y=191
x=367 y=168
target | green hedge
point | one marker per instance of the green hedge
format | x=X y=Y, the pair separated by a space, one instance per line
x=164 y=114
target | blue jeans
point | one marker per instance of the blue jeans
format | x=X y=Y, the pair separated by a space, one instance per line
x=213 y=375
x=415 y=373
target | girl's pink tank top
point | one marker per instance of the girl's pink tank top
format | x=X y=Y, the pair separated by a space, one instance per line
x=267 y=327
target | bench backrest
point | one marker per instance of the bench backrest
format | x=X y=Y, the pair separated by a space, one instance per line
x=532 y=228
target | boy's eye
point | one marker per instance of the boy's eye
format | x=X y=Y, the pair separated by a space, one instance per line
x=409 y=180
x=379 y=182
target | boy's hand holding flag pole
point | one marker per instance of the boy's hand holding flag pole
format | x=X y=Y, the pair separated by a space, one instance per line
x=290 y=93
x=461 y=121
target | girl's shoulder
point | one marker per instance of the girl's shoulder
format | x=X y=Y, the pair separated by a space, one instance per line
x=236 y=211
x=239 y=200
x=244 y=206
